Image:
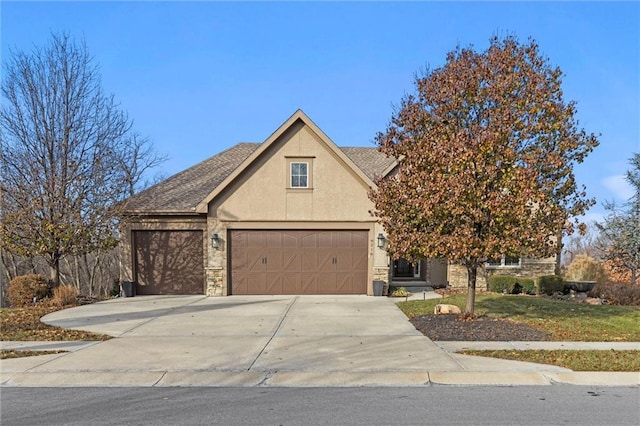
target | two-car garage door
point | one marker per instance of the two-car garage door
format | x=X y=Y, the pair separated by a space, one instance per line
x=298 y=262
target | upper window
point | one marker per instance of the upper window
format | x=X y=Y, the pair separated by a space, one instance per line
x=504 y=261
x=299 y=175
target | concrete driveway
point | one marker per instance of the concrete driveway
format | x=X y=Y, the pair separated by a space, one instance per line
x=257 y=340
x=251 y=336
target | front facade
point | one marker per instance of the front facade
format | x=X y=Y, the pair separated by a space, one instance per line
x=288 y=216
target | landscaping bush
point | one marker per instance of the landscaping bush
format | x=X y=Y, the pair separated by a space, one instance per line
x=511 y=285
x=115 y=288
x=398 y=292
x=23 y=289
x=528 y=285
x=550 y=284
x=585 y=268
x=65 y=295
x=617 y=293
x=500 y=283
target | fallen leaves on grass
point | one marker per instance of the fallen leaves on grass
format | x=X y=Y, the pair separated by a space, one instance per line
x=579 y=360
x=12 y=353
x=24 y=324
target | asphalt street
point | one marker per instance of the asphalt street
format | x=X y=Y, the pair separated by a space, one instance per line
x=433 y=405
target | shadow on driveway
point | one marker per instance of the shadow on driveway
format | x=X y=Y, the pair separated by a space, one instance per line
x=121 y=310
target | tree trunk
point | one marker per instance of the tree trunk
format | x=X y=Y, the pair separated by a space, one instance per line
x=55 y=270
x=472 y=273
x=558 y=266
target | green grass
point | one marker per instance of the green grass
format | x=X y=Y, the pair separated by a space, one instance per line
x=563 y=320
x=587 y=360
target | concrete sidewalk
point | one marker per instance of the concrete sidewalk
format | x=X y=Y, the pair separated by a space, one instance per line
x=271 y=341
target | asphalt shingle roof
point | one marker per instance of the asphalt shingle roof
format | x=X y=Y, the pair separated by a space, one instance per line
x=182 y=192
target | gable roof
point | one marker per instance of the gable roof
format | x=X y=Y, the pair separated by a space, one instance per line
x=299 y=115
x=190 y=191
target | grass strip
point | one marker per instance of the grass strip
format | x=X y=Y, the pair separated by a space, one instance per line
x=582 y=360
x=13 y=353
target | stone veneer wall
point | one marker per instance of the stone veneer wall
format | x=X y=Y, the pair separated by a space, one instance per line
x=382 y=274
x=215 y=282
x=529 y=268
x=216 y=266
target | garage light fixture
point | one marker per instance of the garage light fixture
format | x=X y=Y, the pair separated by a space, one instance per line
x=216 y=241
x=381 y=241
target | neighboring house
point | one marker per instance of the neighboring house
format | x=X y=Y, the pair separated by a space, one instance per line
x=288 y=216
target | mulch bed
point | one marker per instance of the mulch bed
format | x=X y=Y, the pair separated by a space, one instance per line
x=481 y=328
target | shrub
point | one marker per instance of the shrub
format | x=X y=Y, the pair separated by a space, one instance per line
x=528 y=285
x=511 y=285
x=617 y=293
x=549 y=284
x=24 y=289
x=585 y=268
x=64 y=295
x=398 y=292
x=115 y=288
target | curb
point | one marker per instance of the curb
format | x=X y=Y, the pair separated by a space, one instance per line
x=311 y=379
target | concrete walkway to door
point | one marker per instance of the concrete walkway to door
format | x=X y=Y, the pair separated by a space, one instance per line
x=258 y=341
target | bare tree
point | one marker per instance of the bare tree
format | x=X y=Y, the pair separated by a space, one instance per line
x=621 y=228
x=68 y=156
x=587 y=244
x=136 y=161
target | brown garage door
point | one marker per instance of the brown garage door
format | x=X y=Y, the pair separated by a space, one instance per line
x=298 y=262
x=169 y=262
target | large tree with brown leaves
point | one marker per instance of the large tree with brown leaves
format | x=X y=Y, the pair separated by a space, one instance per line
x=486 y=146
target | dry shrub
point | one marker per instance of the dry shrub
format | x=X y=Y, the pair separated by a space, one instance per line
x=615 y=274
x=24 y=289
x=617 y=293
x=586 y=268
x=65 y=295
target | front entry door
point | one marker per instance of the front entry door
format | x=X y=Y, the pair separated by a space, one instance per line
x=402 y=268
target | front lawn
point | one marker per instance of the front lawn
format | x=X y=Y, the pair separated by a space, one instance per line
x=563 y=320
x=587 y=360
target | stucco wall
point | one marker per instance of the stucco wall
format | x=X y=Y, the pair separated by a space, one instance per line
x=263 y=193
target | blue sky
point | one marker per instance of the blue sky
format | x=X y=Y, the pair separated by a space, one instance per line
x=200 y=77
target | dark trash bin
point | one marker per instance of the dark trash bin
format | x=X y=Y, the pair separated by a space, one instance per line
x=378 y=287
x=129 y=288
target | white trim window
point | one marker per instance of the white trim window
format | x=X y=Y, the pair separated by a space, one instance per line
x=299 y=173
x=504 y=261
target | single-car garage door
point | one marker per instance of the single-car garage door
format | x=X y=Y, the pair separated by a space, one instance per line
x=298 y=262
x=169 y=262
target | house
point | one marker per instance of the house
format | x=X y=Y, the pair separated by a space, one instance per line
x=290 y=215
